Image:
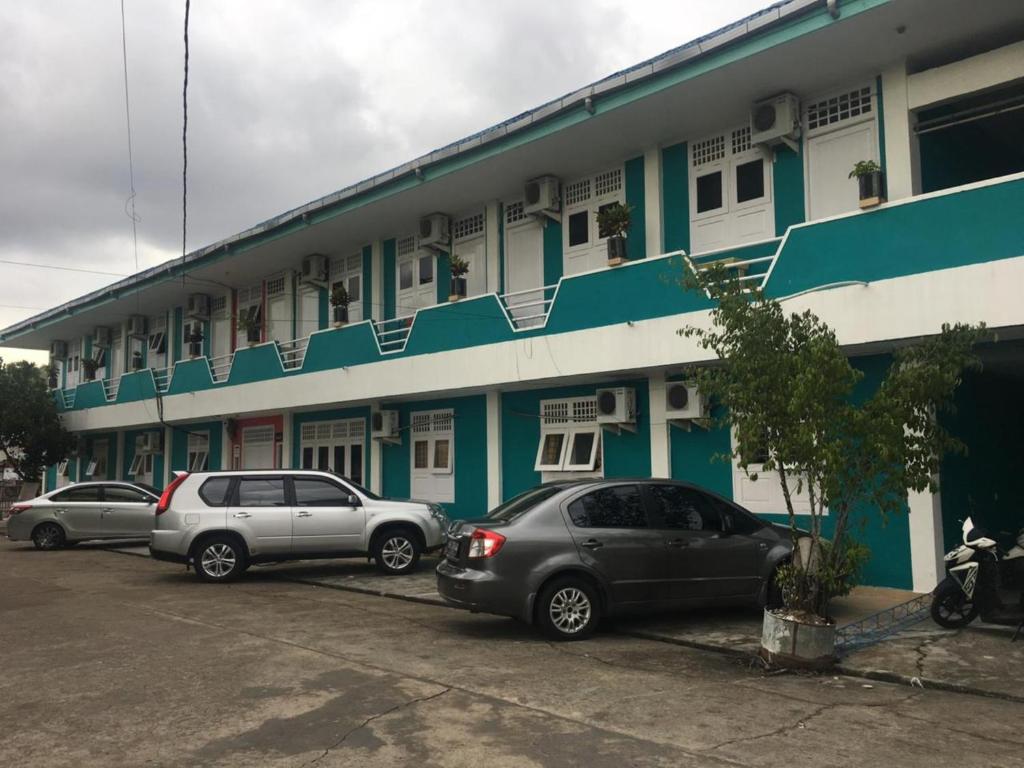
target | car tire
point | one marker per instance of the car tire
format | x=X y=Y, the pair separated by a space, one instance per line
x=396 y=551
x=219 y=559
x=568 y=609
x=48 y=536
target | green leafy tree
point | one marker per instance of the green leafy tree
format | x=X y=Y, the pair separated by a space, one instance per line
x=31 y=434
x=788 y=394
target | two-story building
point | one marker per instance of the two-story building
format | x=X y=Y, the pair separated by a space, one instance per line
x=736 y=147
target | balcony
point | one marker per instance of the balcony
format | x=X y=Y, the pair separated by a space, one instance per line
x=969 y=225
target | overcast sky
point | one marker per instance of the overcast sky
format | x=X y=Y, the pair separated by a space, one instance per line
x=288 y=101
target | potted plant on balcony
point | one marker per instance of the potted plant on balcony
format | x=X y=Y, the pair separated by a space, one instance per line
x=613 y=223
x=249 y=324
x=89 y=368
x=52 y=373
x=136 y=360
x=459 y=268
x=870 y=182
x=340 y=301
x=786 y=390
x=195 y=343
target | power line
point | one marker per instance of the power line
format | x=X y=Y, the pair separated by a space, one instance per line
x=63 y=269
x=184 y=152
x=128 y=121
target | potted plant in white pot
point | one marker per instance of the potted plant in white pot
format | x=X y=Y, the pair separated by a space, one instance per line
x=613 y=223
x=870 y=183
x=459 y=268
x=339 y=303
x=249 y=324
x=786 y=390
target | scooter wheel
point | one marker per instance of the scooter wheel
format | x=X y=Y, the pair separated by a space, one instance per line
x=951 y=608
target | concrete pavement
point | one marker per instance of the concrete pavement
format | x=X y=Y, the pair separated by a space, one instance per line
x=113 y=660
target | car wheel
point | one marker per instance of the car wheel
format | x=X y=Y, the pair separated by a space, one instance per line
x=48 y=536
x=219 y=559
x=568 y=609
x=396 y=552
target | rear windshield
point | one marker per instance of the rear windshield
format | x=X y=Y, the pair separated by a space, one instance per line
x=522 y=503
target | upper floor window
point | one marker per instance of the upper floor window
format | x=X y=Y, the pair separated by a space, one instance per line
x=730 y=191
x=415 y=276
x=584 y=241
x=347 y=271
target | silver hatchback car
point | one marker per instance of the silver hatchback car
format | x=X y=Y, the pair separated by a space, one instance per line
x=84 y=511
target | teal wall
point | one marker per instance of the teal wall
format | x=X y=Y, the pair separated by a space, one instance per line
x=636 y=240
x=675 y=198
x=51 y=477
x=174 y=333
x=368 y=309
x=470 y=460
x=627 y=454
x=984 y=483
x=338 y=413
x=552 y=251
x=179 y=445
x=388 y=252
x=443 y=277
x=788 y=187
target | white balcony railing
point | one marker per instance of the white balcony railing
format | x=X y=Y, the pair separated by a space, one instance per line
x=220 y=366
x=293 y=353
x=393 y=334
x=110 y=387
x=162 y=378
x=529 y=308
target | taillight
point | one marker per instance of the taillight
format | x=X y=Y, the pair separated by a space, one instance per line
x=485 y=543
x=18 y=509
x=165 y=498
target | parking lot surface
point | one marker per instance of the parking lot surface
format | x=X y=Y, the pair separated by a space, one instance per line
x=114 y=660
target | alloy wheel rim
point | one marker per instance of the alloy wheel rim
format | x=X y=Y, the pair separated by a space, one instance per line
x=570 y=610
x=397 y=553
x=218 y=560
x=955 y=608
x=47 y=536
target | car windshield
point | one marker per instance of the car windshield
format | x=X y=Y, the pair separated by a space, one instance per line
x=522 y=503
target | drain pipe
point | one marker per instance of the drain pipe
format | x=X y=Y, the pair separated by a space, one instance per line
x=833 y=8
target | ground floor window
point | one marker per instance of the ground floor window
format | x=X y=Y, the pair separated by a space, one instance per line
x=97 y=467
x=336 y=446
x=198 y=451
x=433 y=455
x=570 y=439
x=141 y=469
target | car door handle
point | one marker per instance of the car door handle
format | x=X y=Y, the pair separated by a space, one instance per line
x=678 y=543
x=241 y=514
x=592 y=544
x=304 y=514
x=107 y=510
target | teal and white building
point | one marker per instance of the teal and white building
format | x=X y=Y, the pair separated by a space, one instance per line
x=734 y=148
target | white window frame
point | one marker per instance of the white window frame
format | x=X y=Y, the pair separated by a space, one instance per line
x=198 y=451
x=590 y=204
x=433 y=427
x=138 y=463
x=345 y=269
x=62 y=468
x=570 y=417
x=469 y=231
x=333 y=434
x=418 y=295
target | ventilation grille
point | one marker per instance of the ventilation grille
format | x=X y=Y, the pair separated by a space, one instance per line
x=608 y=183
x=580 y=410
x=468 y=226
x=708 y=150
x=275 y=287
x=577 y=192
x=406 y=245
x=218 y=306
x=432 y=421
x=258 y=435
x=514 y=212
x=324 y=431
x=741 y=140
x=839 y=108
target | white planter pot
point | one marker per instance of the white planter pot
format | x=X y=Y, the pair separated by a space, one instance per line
x=786 y=642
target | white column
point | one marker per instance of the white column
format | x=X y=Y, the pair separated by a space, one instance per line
x=494 y=497
x=287 y=435
x=377 y=286
x=926 y=554
x=376 y=461
x=900 y=141
x=652 y=202
x=661 y=458
x=225 y=446
x=119 y=463
x=493 y=262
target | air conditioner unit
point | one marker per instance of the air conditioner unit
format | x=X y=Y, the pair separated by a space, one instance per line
x=617 y=407
x=314 y=269
x=684 y=402
x=775 y=120
x=198 y=306
x=158 y=342
x=101 y=336
x=384 y=425
x=137 y=326
x=59 y=350
x=434 y=229
x=542 y=195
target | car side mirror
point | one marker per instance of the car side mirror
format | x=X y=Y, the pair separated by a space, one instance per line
x=353 y=500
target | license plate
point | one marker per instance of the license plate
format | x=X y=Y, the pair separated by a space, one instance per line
x=451 y=549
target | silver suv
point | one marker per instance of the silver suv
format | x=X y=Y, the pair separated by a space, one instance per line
x=222 y=522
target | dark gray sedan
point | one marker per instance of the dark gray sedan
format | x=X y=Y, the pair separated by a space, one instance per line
x=564 y=554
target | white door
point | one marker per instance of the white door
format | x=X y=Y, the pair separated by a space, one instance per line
x=473 y=251
x=309 y=310
x=279 y=308
x=115 y=356
x=524 y=265
x=586 y=248
x=258 y=447
x=220 y=326
x=348 y=271
x=830 y=156
x=416 y=275
x=73 y=363
x=157 y=341
x=337 y=446
x=250 y=301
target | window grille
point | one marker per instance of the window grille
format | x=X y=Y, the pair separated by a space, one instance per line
x=608 y=182
x=514 y=212
x=468 y=226
x=741 y=140
x=554 y=412
x=406 y=245
x=258 y=435
x=838 y=108
x=219 y=305
x=275 y=286
x=420 y=423
x=708 y=150
x=577 y=192
x=308 y=432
